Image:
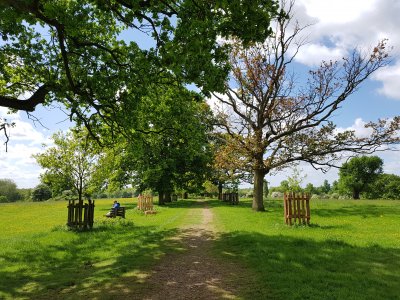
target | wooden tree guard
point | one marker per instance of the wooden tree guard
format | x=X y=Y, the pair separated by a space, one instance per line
x=80 y=215
x=232 y=198
x=296 y=208
x=145 y=203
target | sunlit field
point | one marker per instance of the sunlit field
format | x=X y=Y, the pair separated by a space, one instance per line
x=351 y=250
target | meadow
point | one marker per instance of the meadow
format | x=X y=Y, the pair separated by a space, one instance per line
x=351 y=250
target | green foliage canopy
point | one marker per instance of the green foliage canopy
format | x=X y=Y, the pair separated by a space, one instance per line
x=386 y=186
x=84 y=55
x=72 y=159
x=168 y=149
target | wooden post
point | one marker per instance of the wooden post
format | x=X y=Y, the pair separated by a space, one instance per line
x=290 y=209
x=298 y=199
x=285 y=217
x=308 y=214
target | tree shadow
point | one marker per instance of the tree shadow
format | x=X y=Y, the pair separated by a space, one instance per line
x=82 y=261
x=356 y=210
x=292 y=268
x=195 y=203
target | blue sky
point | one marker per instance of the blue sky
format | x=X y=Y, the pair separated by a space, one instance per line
x=338 y=26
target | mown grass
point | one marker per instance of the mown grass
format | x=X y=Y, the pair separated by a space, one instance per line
x=350 y=251
x=40 y=258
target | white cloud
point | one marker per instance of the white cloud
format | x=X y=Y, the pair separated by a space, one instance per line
x=338 y=11
x=391 y=160
x=390 y=78
x=19 y=165
x=314 y=54
x=342 y=25
x=25 y=140
x=5 y=114
x=22 y=131
x=359 y=128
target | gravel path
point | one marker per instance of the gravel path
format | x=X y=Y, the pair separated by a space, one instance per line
x=195 y=273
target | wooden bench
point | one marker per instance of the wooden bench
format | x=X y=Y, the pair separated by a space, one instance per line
x=117 y=212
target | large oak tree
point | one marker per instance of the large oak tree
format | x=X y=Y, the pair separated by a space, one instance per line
x=273 y=122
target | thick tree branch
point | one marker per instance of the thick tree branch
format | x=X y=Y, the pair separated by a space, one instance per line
x=38 y=97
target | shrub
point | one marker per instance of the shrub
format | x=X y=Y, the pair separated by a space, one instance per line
x=276 y=195
x=41 y=192
x=126 y=194
x=334 y=196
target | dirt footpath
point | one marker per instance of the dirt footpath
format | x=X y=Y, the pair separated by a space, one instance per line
x=195 y=273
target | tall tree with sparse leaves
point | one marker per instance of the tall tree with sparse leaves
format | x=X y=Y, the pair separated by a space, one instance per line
x=274 y=123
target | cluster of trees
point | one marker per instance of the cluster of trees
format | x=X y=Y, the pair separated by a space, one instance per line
x=9 y=192
x=137 y=121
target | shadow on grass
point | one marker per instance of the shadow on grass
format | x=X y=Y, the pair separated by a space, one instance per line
x=76 y=263
x=290 y=268
x=369 y=210
x=196 y=203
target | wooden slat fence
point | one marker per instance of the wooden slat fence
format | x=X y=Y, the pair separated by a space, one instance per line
x=80 y=215
x=232 y=198
x=145 y=203
x=296 y=208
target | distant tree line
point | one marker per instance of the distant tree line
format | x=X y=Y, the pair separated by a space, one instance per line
x=360 y=177
x=9 y=192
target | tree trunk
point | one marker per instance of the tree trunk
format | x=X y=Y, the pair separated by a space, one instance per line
x=167 y=197
x=161 y=198
x=219 y=190
x=258 y=203
x=185 y=195
x=356 y=194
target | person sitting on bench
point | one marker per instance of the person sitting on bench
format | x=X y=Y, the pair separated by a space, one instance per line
x=113 y=210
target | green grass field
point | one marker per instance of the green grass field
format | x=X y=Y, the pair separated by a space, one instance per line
x=350 y=251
